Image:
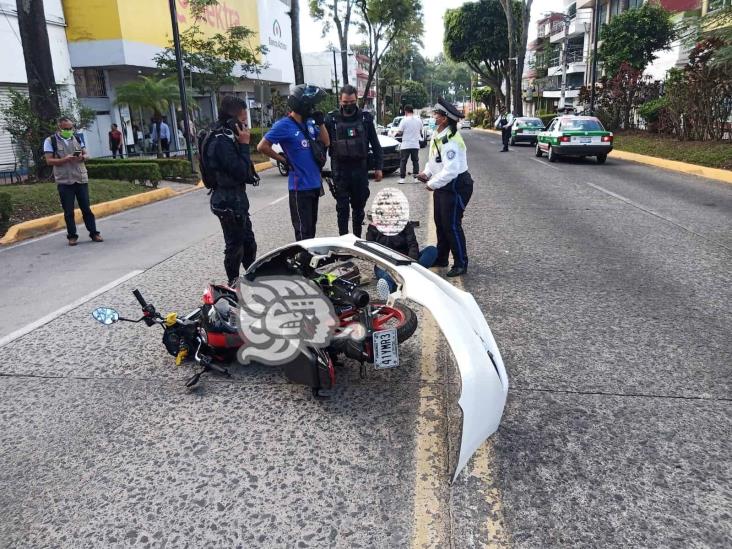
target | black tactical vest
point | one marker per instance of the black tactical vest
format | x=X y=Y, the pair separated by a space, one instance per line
x=351 y=140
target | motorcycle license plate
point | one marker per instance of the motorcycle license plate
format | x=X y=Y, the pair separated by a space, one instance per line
x=386 y=349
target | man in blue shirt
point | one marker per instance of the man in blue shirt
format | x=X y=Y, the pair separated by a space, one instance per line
x=305 y=183
x=160 y=128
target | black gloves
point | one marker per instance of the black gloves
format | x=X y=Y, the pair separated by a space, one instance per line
x=319 y=118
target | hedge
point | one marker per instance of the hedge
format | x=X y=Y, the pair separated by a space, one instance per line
x=546 y=119
x=6 y=208
x=125 y=171
x=170 y=168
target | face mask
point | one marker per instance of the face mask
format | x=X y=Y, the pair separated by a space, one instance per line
x=66 y=134
x=349 y=109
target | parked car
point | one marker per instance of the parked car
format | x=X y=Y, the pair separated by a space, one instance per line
x=465 y=124
x=525 y=130
x=389 y=146
x=394 y=129
x=575 y=136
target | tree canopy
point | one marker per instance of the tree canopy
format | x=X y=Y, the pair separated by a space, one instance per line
x=635 y=36
x=468 y=40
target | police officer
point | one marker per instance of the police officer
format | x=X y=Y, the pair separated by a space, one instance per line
x=227 y=158
x=504 y=122
x=351 y=131
x=447 y=176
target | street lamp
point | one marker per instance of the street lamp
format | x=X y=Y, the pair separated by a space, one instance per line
x=335 y=67
x=595 y=24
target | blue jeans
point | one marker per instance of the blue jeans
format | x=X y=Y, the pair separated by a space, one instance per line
x=427 y=258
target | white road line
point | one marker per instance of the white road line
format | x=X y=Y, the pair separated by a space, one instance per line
x=280 y=199
x=656 y=214
x=55 y=314
x=546 y=164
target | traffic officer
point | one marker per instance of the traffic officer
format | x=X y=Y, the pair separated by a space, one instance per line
x=446 y=174
x=227 y=158
x=504 y=122
x=351 y=132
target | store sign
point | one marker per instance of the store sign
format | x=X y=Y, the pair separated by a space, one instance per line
x=221 y=16
x=275 y=40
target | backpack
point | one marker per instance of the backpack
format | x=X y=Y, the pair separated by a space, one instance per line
x=317 y=148
x=208 y=171
x=208 y=175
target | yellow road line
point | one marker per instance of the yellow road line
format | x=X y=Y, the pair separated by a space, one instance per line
x=431 y=507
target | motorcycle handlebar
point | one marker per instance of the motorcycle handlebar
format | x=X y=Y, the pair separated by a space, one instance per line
x=140 y=299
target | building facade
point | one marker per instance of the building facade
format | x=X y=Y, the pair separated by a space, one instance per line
x=12 y=68
x=114 y=41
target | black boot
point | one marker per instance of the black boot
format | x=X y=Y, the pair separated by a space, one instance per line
x=456 y=271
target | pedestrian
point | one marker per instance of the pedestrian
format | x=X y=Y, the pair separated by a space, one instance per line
x=352 y=130
x=227 y=168
x=66 y=152
x=161 y=131
x=410 y=128
x=504 y=122
x=304 y=138
x=115 y=142
x=447 y=175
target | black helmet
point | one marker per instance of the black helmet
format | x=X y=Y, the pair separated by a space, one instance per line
x=303 y=98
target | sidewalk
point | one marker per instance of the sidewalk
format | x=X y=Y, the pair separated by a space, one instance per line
x=166 y=189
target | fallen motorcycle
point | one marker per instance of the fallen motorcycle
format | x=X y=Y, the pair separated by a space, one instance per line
x=209 y=333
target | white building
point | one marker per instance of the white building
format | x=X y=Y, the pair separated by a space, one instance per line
x=320 y=69
x=12 y=68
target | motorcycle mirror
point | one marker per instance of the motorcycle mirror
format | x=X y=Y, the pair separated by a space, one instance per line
x=105 y=315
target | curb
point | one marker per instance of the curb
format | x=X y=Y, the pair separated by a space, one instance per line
x=42 y=225
x=672 y=165
x=36 y=227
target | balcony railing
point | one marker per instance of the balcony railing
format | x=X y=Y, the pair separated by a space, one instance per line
x=574 y=55
x=557 y=27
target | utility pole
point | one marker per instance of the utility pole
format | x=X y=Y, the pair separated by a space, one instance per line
x=335 y=70
x=565 y=45
x=596 y=32
x=181 y=82
x=39 y=70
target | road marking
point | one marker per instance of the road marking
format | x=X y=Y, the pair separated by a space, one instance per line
x=280 y=199
x=656 y=214
x=545 y=164
x=55 y=314
x=430 y=511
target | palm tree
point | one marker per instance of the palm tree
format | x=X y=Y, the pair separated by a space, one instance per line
x=148 y=92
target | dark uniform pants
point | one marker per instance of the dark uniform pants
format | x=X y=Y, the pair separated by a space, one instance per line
x=231 y=206
x=351 y=193
x=450 y=203
x=78 y=192
x=505 y=136
x=304 y=212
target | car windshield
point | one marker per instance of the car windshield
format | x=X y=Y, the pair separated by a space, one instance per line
x=530 y=122
x=587 y=125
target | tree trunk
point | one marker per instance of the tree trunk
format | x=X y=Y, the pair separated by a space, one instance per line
x=39 y=70
x=521 y=57
x=295 y=30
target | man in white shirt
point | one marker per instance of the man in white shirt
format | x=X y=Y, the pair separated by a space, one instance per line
x=410 y=128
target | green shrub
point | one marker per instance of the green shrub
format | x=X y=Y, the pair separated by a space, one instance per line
x=170 y=168
x=126 y=171
x=6 y=208
x=477 y=117
x=488 y=124
x=256 y=137
x=546 y=119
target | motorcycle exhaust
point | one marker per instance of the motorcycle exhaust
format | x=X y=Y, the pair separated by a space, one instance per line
x=350 y=293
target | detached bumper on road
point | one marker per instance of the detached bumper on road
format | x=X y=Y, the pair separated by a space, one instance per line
x=582 y=150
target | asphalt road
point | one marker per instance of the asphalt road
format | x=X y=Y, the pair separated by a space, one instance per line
x=607 y=289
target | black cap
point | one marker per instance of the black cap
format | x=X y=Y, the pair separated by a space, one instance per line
x=448 y=109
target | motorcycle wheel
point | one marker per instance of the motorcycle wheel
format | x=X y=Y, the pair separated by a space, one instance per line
x=399 y=316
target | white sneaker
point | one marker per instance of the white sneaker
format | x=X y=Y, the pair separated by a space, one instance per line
x=416 y=180
x=401 y=181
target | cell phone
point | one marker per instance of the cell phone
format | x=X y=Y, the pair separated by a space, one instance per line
x=77 y=153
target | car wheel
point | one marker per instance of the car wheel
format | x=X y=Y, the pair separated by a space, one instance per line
x=551 y=155
x=282 y=168
x=538 y=151
x=601 y=158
